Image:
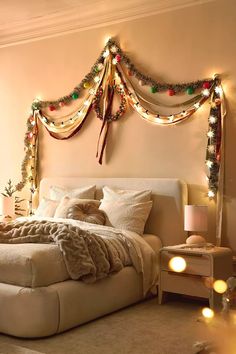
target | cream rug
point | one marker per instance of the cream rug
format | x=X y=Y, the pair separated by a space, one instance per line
x=6 y=348
x=147 y=327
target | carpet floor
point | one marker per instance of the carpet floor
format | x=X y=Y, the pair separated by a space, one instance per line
x=146 y=327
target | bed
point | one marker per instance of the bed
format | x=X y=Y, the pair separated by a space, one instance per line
x=36 y=297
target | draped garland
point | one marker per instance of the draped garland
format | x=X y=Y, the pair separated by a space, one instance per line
x=113 y=74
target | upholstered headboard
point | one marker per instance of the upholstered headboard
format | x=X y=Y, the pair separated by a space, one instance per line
x=169 y=197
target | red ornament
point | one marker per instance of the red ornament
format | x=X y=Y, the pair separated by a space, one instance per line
x=206 y=85
x=52 y=108
x=118 y=58
x=171 y=92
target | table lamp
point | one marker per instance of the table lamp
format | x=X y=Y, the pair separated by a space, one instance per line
x=195 y=219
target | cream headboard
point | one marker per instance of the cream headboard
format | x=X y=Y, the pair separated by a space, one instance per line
x=169 y=197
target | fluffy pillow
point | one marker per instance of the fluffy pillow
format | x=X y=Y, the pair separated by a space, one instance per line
x=127 y=216
x=80 y=209
x=57 y=193
x=128 y=196
x=47 y=207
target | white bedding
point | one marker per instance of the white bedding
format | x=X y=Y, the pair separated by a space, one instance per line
x=147 y=258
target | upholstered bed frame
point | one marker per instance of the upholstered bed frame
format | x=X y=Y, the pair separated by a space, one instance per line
x=44 y=311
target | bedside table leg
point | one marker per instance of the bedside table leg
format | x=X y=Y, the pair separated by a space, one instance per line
x=161 y=296
x=215 y=301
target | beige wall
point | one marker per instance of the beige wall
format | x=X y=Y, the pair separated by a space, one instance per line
x=182 y=45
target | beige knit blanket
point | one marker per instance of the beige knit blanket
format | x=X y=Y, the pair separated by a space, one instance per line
x=87 y=255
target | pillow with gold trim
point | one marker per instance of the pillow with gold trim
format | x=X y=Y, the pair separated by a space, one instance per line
x=81 y=209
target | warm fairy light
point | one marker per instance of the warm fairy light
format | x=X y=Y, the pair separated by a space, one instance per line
x=79 y=113
x=207 y=312
x=219 y=90
x=197 y=105
x=92 y=91
x=177 y=264
x=52 y=124
x=211 y=194
x=121 y=86
x=220 y=286
x=139 y=109
x=210 y=134
x=209 y=163
x=212 y=119
x=171 y=118
x=114 y=49
x=86 y=103
x=206 y=92
x=211 y=148
x=114 y=61
x=106 y=53
x=97 y=78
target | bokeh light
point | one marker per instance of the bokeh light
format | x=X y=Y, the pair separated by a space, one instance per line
x=207 y=312
x=177 y=264
x=220 y=286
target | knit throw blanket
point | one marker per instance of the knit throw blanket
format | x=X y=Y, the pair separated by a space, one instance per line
x=88 y=256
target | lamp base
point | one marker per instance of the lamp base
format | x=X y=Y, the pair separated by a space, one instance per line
x=196 y=240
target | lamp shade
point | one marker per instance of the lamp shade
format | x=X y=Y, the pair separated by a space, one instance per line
x=7 y=206
x=195 y=217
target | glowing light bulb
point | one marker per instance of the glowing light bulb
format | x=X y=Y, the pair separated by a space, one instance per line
x=100 y=66
x=106 y=53
x=177 y=264
x=211 y=148
x=220 y=286
x=197 y=105
x=209 y=163
x=207 y=312
x=139 y=108
x=79 y=113
x=121 y=86
x=171 y=118
x=212 y=119
x=206 y=92
x=86 y=103
x=96 y=79
x=219 y=90
x=114 y=49
x=210 y=134
x=33 y=122
x=106 y=39
x=114 y=61
x=211 y=194
x=52 y=124
x=92 y=91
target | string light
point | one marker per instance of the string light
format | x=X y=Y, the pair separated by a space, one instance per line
x=114 y=49
x=114 y=61
x=206 y=92
x=211 y=148
x=210 y=134
x=86 y=103
x=171 y=118
x=209 y=163
x=218 y=90
x=106 y=53
x=211 y=194
x=197 y=105
x=212 y=119
x=96 y=79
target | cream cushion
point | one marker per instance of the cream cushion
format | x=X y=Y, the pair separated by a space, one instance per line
x=66 y=203
x=127 y=216
x=126 y=195
x=47 y=207
x=57 y=193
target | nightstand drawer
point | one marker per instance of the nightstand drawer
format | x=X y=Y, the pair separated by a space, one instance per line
x=184 y=284
x=196 y=263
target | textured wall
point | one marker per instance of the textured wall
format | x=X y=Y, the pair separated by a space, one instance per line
x=182 y=45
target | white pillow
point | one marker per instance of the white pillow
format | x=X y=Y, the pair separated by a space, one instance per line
x=127 y=216
x=86 y=192
x=126 y=195
x=47 y=207
x=66 y=203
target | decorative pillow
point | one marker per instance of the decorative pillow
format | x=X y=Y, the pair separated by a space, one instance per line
x=47 y=207
x=74 y=207
x=127 y=216
x=57 y=193
x=87 y=212
x=128 y=196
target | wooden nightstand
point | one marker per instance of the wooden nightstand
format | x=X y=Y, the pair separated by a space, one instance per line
x=202 y=265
